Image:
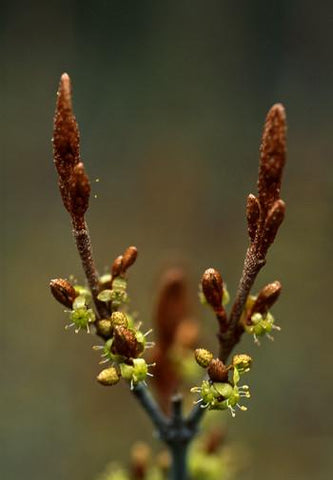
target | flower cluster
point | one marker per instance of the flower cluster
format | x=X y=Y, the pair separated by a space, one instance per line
x=220 y=392
x=256 y=318
x=124 y=342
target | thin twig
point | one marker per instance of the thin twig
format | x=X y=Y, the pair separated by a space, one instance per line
x=84 y=247
x=154 y=412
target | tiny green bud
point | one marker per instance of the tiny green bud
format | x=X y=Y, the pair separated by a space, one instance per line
x=126 y=371
x=104 y=327
x=223 y=389
x=135 y=373
x=83 y=291
x=81 y=318
x=105 y=281
x=108 y=376
x=140 y=370
x=79 y=302
x=105 y=295
x=203 y=357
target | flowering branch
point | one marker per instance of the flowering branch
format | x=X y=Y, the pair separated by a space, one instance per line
x=104 y=305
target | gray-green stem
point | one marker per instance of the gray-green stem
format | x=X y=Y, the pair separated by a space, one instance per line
x=175 y=431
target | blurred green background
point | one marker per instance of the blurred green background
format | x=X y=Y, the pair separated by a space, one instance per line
x=171 y=97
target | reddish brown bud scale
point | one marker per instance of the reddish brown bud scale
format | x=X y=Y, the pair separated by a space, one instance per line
x=117 y=266
x=66 y=137
x=63 y=292
x=125 y=343
x=272 y=156
x=217 y=371
x=212 y=287
x=252 y=215
x=273 y=221
x=267 y=297
x=79 y=191
x=129 y=257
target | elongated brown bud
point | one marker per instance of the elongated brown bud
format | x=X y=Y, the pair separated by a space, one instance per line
x=79 y=191
x=125 y=343
x=266 y=298
x=140 y=457
x=212 y=288
x=272 y=156
x=117 y=265
x=66 y=137
x=129 y=257
x=273 y=221
x=217 y=371
x=63 y=291
x=252 y=215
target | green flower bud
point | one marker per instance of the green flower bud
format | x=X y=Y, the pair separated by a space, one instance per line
x=104 y=327
x=108 y=376
x=135 y=373
x=203 y=357
x=83 y=291
x=105 y=295
x=126 y=371
x=105 y=281
x=221 y=395
x=81 y=317
x=261 y=325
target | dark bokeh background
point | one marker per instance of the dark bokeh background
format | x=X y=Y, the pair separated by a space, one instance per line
x=171 y=97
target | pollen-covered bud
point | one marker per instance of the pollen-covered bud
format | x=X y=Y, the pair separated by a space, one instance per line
x=212 y=287
x=125 y=343
x=63 y=292
x=104 y=327
x=129 y=257
x=242 y=362
x=203 y=357
x=108 y=376
x=119 y=319
x=217 y=371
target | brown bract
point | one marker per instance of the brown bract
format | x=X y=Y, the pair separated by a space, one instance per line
x=212 y=288
x=63 y=291
x=175 y=330
x=217 y=371
x=266 y=298
x=125 y=343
